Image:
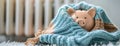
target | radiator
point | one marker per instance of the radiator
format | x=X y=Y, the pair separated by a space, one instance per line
x=25 y=17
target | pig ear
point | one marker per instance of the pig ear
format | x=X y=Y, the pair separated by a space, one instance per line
x=70 y=11
x=92 y=12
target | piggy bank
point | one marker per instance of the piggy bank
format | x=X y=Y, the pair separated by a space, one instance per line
x=84 y=18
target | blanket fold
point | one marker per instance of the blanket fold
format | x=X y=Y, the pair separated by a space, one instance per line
x=69 y=33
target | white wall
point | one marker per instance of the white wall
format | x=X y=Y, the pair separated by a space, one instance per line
x=111 y=7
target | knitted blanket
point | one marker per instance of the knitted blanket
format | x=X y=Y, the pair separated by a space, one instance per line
x=69 y=33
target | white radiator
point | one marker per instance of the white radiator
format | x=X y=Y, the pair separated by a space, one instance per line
x=25 y=17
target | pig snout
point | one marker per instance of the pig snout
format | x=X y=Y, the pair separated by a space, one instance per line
x=81 y=22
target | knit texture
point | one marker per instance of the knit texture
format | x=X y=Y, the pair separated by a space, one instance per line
x=69 y=33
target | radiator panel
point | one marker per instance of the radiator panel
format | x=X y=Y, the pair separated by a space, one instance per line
x=29 y=18
x=2 y=26
x=9 y=17
x=19 y=28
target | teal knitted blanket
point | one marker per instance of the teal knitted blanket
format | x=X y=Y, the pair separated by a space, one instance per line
x=69 y=33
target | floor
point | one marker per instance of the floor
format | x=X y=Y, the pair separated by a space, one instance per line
x=12 y=38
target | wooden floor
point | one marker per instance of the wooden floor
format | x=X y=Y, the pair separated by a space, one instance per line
x=12 y=38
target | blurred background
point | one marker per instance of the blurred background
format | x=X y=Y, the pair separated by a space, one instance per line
x=20 y=19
